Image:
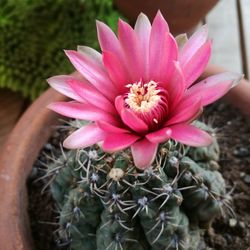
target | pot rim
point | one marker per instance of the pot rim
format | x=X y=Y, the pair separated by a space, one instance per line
x=19 y=152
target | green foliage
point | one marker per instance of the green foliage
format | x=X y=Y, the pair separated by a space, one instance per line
x=33 y=34
x=106 y=203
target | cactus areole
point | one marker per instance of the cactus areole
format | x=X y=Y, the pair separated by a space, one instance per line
x=147 y=185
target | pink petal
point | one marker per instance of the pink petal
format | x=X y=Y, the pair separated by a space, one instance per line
x=185 y=111
x=130 y=45
x=193 y=68
x=107 y=39
x=92 y=71
x=144 y=153
x=162 y=50
x=119 y=104
x=91 y=53
x=115 y=142
x=193 y=44
x=143 y=29
x=160 y=135
x=176 y=85
x=161 y=67
x=92 y=95
x=116 y=71
x=81 y=111
x=107 y=127
x=60 y=84
x=190 y=135
x=213 y=88
x=160 y=24
x=84 y=137
x=133 y=121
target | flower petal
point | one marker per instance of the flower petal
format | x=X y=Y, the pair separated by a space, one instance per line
x=162 y=50
x=119 y=104
x=84 y=137
x=93 y=73
x=185 y=111
x=190 y=135
x=114 y=142
x=82 y=111
x=160 y=25
x=176 y=85
x=133 y=121
x=116 y=71
x=107 y=127
x=90 y=94
x=60 y=84
x=193 y=44
x=144 y=152
x=91 y=53
x=107 y=39
x=160 y=135
x=161 y=67
x=132 y=51
x=143 y=29
x=213 y=87
x=193 y=68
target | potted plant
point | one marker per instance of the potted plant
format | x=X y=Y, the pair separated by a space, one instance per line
x=157 y=185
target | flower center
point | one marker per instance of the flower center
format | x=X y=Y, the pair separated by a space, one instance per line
x=149 y=102
x=143 y=97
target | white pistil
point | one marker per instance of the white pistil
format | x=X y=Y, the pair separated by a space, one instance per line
x=155 y=120
x=142 y=98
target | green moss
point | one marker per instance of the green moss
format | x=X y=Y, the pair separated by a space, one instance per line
x=35 y=32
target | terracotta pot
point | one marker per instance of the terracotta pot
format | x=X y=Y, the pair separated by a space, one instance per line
x=182 y=15
x=16 y=160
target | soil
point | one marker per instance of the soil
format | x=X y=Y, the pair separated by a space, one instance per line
x=227 y=233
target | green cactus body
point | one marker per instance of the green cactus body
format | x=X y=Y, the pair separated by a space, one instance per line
x=106 y=203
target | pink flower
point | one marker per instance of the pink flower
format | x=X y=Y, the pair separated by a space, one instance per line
x=138 y=92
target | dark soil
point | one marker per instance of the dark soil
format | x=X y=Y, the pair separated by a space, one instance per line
x=231 y=232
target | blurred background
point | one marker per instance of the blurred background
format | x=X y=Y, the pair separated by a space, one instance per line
x=33 y=34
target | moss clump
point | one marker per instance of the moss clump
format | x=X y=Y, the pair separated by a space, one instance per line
x=35 y=32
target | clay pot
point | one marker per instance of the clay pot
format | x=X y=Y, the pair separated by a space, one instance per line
x=17 y=157
x=181 y=15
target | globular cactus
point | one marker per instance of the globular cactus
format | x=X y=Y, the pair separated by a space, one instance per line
x=107 y=203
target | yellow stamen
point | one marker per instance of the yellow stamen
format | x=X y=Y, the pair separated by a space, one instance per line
x=142 y=98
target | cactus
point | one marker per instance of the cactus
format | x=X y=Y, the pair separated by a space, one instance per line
x=107 y=203
x=34 y=33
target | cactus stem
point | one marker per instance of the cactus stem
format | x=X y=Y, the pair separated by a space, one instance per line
x=162 y=219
